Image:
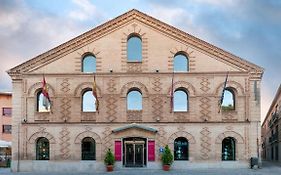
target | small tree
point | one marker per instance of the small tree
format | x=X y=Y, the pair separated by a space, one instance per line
x=109 y=158
x=167 y=156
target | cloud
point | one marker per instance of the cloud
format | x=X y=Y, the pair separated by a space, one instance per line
x=28 y=32
x=84 y=10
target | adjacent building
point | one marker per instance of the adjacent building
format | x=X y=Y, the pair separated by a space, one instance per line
x=154 y=85
x=271 y=131
x=6 y=116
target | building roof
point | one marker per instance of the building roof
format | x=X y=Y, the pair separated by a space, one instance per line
x=6 y=93
x=123 y=19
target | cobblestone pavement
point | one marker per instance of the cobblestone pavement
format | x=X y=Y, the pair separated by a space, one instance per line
x=267 y=169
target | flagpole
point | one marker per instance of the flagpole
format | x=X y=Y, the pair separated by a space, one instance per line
x=172 y=94
x=223 y=90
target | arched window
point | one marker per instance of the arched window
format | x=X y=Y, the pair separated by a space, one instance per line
x=228 y=149
x=88 y=101
x=134 y=100
x=88 y=148
x=134 y=49
x=181 y=63
x=228 y=100
x=42 y=149
x=42 y=105
x=181 y=148
x=180 y=100
x=89 y=64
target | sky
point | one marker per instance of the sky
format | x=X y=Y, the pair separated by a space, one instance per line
x=250 y=29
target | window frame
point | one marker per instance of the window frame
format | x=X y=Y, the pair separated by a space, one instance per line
x=93 y=145
x=129 y=91
x=7 y=130
x=187 y=99
x=5 y=114
x=232 y=91
x=233 y=149
x=187 y=62
x=88 y=54
x=141 y=45
x=38 y=93
x=187 y=147
x=40 y=152
x=82 y=100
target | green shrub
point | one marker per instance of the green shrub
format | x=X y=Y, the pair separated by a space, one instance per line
x=167 y=156
x=109 y=158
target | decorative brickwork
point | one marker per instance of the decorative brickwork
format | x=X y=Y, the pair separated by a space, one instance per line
x=205 y=143
x=134 y=84
x=65 y=100
x=107 y=141
x=157 y=108
x=205 y=84
x=111 y=105
x=87 y=51
x=64 y=143
x=134 y=116
x=161 y=137
x=205 y=111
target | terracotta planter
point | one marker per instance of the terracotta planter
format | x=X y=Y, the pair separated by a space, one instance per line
x=109 y=168
x=166 y=167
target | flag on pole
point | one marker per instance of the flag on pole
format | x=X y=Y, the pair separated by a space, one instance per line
x=172 y=95
x=222 y=94
x=46 y=97
x=95 y=94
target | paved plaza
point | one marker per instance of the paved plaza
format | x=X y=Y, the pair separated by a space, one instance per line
x=267 y=169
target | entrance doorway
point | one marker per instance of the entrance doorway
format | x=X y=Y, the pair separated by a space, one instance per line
x=134 y=152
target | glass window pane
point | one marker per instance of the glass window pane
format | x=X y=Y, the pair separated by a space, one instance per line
x=7 y=111
x=89 y=102
x=228 y=149
x=42 y=149
x=89 y=64
x=181 y=149
x=7 y=129
x=180 y=63
x=134 y=49
x=228 y=100
x=88 y=149
x=180 y=101
x=40 y=103
x=134 y=100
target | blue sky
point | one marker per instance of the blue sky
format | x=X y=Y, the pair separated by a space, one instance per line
x=247 y=28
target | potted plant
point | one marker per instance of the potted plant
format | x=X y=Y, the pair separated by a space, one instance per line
x=109 y=160
x=167 y=158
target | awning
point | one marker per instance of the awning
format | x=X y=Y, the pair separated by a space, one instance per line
x=5 y=144
x=134 y=125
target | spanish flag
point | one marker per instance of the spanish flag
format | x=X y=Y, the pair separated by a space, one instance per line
x=95 y=94
x=46 y=97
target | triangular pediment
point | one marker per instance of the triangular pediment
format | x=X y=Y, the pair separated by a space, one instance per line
x=134 y=126
x=218 y=54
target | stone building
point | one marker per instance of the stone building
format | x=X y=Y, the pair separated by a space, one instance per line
x=6 y=116
x=271 y=132
x=137 y=61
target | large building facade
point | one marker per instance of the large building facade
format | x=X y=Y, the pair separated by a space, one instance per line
x=271 y=131
x=156 y=86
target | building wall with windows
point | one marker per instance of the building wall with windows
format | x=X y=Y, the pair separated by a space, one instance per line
x=6 y=116
x=155 y=85
x=271 y=131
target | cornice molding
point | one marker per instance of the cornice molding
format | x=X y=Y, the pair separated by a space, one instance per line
x=113 y=24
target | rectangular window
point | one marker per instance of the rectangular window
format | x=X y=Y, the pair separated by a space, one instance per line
x=7 y=112
x=7 y=129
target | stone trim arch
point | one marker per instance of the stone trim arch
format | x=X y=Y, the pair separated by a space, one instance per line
x=184 y=134
x=36 y=86
x=183 y=84
x=238 y=138
x=37 y=135
x=237 y=87
x=134 y=84
x=186 y=51
x=84 y=134
x=78 y=90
